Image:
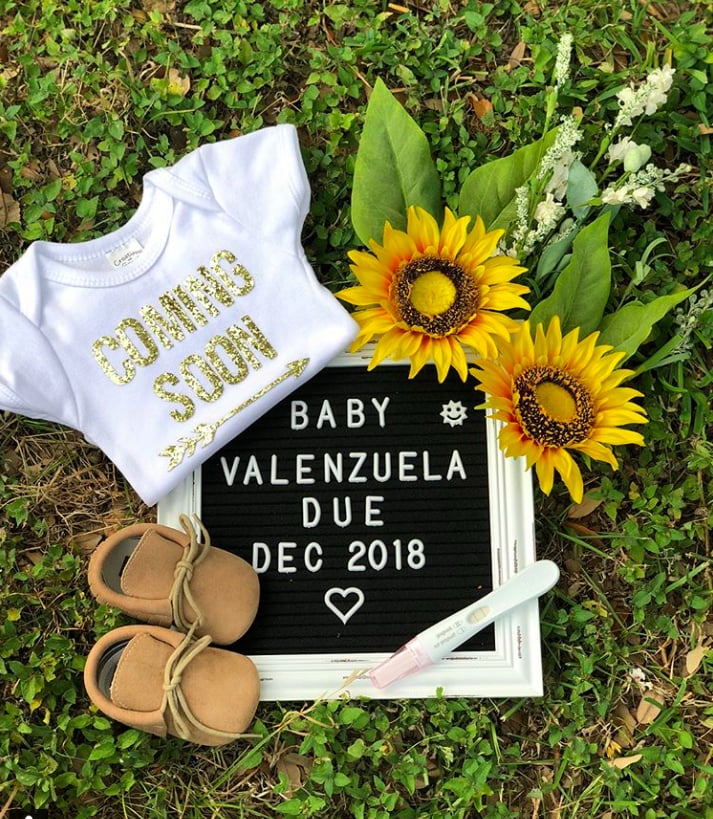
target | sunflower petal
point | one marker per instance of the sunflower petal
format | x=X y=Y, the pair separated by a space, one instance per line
x=453 y=235
x=598 y=451
x=423 y=229
x=358 y=295
x=420 y=356
x=458 y=359
x=441 y=351
x=545 y=472
x=571 y=476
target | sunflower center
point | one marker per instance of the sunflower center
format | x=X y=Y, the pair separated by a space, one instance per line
x=434 y=295
x=557 y=401
x=554 y=409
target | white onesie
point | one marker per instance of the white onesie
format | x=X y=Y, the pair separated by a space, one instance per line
x=164 y=339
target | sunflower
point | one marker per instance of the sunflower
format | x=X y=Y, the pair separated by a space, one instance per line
x=556 y=394
x=427 y=292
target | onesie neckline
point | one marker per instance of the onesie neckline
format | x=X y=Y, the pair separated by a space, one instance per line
x=143 y=236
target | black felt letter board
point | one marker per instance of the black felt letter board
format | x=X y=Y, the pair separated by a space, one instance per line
x=362 y=502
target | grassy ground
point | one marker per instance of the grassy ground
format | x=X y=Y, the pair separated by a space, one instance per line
x=93 y=94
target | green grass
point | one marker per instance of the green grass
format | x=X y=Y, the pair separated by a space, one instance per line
x=94 y=94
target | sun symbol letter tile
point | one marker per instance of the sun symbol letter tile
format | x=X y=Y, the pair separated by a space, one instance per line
x=454 y=413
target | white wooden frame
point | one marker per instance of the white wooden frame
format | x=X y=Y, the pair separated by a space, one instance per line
x=514 y=669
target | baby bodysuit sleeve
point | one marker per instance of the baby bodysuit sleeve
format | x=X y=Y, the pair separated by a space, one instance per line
x=32 y=381
x=258 y=179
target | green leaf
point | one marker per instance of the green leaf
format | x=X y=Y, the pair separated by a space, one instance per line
x=103 y=750
x=351 y=714
x=489 y=191
x=293 y=807
x=553 y=255
x=393 y=170
x=582 y=289
x=627 y=329
x=581 y=188
x=52 y=189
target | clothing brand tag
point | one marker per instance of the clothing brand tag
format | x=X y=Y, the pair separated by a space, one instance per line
x=125 y=254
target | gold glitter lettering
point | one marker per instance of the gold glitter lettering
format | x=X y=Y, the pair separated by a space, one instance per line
x=166 y=330
x=107 y=366
x=182 y=310
x=208 y=290
x=207 y=371
x=177 y=397
x=219 y=365
x=238 y=271
x=196 y=314
x=150 y=353
x=255 y=338
x=175 y=311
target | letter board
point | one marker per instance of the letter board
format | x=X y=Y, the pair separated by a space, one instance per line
x=372 y=505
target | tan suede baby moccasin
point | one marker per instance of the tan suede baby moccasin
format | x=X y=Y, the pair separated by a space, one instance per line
x=163 y=576
x=166 y=683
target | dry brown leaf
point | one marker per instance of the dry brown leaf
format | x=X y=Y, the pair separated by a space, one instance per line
x=622 y=762
x=178 y=83
x=9 y=73
x=162 y=6
x=624 y=739
x=704 y=129
x=31 y=171
x=650 y=707
x=9 y=209
x=624 y=718
x=53 y=170
x=625 y=722
x=5 y=179
x=296 y=767
x=482 y=107
x=517 y=55
x=694 y=658
x=88 y=542
x=585 y=508
x=586 y=533
x=532 y=7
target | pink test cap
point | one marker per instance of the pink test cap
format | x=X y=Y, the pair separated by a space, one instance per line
x=407 y=660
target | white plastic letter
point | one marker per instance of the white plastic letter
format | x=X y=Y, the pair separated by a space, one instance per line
x=317 y=564
x=303 y=466
x=311 y=512
x=456 y=465
x=381 y=409
x=372 y=514
x=347 y=511
x=298 y=415
x=405 y=468
x=284 y=560
x=326 y=415
x=261 y=550
x=229 y=473
x=355 y=413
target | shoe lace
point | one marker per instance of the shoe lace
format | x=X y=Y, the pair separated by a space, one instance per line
x=174 y=700
x=180 y=593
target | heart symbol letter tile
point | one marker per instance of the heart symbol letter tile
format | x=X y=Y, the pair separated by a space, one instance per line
x=343 y=598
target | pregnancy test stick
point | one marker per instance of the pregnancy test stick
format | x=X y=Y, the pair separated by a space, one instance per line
x=440 y=639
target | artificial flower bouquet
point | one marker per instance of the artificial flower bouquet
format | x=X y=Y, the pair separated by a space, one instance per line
x=448 y=287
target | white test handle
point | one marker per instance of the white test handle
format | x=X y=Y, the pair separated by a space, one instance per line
x=440 y=639
x=533 y=581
